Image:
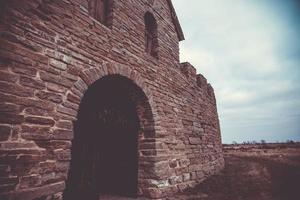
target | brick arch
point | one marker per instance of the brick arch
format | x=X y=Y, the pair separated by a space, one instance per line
x=146 y=110
x=89 y=76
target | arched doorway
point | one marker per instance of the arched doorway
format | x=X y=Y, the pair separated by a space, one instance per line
x=111 y=119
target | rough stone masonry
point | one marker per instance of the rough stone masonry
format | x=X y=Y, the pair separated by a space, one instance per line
x=93 y=90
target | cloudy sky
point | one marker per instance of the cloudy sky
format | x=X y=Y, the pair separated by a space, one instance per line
x=249 y=50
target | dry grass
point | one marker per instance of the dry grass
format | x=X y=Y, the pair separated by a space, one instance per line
x=253 y=174
x=263 y=172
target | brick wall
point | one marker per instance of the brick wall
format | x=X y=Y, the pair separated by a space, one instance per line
x=52 y=51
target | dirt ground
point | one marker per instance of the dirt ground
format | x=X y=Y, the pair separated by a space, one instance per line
x=253 y=174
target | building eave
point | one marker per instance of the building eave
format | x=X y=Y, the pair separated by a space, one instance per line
x=176 y=21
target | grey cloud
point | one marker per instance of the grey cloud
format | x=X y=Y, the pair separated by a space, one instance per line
x=250 y=52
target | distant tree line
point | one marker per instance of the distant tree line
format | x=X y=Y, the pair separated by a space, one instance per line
x=262 y=142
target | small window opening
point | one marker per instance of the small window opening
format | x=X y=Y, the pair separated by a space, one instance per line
x=101 y=10
x=151 y=35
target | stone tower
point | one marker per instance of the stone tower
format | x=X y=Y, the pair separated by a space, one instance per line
x=94 y=100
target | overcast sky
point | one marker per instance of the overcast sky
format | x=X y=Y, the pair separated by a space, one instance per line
x=249 y=50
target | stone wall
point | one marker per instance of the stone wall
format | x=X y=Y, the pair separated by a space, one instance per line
x=51 y=51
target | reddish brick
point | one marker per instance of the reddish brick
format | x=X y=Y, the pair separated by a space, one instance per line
x=8 y=118
x=56 y=98
x=31 y=83
x=14 y=89
x=55 y=79
x=8 y=77
x=61 y=134
x=9 y=108
x=5 y=132
x=35 y=132
x=39 y=120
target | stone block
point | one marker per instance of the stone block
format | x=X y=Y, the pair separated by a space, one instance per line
x=201 y=81
x=39 y=121
x=154 y=193
x=7 y=118
x=195 y=140
x=30 y=181
x=57 y=64
x=193 y=168
x=31 y=83
x=67 y=111
x=62 y=155
x=173 y=163
x=186 y=177
x=14 y=89
x=73 y=98
x=37 y=192
x=35 y=132
x=9 y=108
x=56 y=98
x=175 y=180
x=55 y=79
x=65 y=124
x=62 y=134
x=8 y=77
x=23 y=69
x=4 y=170
x=4 y=132
x=189 y=71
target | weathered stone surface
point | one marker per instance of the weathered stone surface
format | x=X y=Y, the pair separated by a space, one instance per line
x=47 y=166
x=55 y=79
x=28 y=102
x=7 y=118
x=39 y=120
x=23 y=69
x=55 y=88
x=62 y=166
x=58 y=64
x=56 y=98
x=62 y=134
x=35 y=132
x=4 y=170
x=19 y=159
x=173 y=163
x=186 y=176
x=7 y=184
x=54 y=144
x=30 y=181
x=31 y=83
x=52 y=52
x=4 y=132
x=155 y=193
x=14 y=89
x=195 y=140
x=8 y=77
x=9 y=108
x=195 y=168
x=175 y=180
x=62 y=155
x=34 y=193
x=63 y=124
x=73 y=98
x=36 y=111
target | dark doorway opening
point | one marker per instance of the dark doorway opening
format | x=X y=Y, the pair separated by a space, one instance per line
x=105 y=145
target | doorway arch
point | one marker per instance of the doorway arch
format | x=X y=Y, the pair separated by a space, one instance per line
x=114 y=117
